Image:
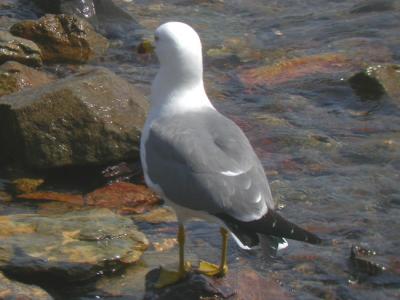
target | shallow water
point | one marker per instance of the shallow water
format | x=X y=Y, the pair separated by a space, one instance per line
x=333 y=159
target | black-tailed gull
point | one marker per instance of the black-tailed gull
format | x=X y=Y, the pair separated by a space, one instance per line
x=199 y=161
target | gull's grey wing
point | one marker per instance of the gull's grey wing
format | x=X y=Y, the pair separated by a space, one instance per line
x=203 y=161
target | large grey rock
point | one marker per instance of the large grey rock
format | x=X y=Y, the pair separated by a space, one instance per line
x=71 y=247
x=10 y=290
x=94 y=117
x=19 y=49
x=62 y=38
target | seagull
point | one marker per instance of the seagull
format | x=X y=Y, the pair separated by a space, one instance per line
x=200 y=162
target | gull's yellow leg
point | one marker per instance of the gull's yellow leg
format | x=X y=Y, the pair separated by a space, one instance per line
x=168 y=277
x=210 y=269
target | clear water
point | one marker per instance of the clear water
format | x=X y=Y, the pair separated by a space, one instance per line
x=333 y=159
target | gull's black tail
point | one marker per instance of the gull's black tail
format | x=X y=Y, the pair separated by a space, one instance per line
x=274 y=224
x=271 y=224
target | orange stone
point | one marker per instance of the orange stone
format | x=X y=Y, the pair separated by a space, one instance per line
x=124 y=197
x=53 y=196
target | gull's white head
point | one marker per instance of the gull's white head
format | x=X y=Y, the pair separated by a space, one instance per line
x=178 y=48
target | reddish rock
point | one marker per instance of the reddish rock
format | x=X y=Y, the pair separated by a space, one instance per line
x=124 y=197
x=287 y=70
x=53 y=196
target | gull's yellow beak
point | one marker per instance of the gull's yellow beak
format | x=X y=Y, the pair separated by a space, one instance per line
x=145 y=47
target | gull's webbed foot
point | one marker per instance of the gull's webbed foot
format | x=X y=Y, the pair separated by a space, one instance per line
x=211 y=269
x=169 y=277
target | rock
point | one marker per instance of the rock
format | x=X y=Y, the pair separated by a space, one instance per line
x=291 y=69
x=124 y=197
x=10 y=290
x=53 y=196
x=62 y=38
x=15 y=77
x=195 y=286
x=27 y=185
x=5 y=197
x=245 y=284
x=123 y=172
x=165 y=244
x=362 y=261
x=105 y=15
x=6 y=22
x=376 y=81
x=69 y=247
x=19 y=49
x=157 y=216
x=83 y=8
x=94 y=117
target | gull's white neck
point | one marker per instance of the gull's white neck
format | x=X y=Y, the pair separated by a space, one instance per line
x=175 y=90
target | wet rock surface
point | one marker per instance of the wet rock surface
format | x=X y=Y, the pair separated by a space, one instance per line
x=74 y=246
x=19 y=49
x=10 y=289
x=376 y=81
x=15 y=77
x=245 y=285
x=121 y=197
x=157 y=216
x=105 y=15
x=93 y=117
x=124 y=197
x=62 y=38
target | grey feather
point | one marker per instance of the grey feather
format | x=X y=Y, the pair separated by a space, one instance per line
x=189 y=155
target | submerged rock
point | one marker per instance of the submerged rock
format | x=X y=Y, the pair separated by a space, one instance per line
x=243 y=285
x=62 y=38
x=362 y=260
x=15 y=77
x=376 y=81
x=157 y=216
x=10 y=290
x=19 y=49
x=72 y=247
x=26 y=185
x=295 y=68
x=94 y=117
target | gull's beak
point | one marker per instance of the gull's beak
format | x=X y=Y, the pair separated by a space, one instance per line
x=146 y=47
